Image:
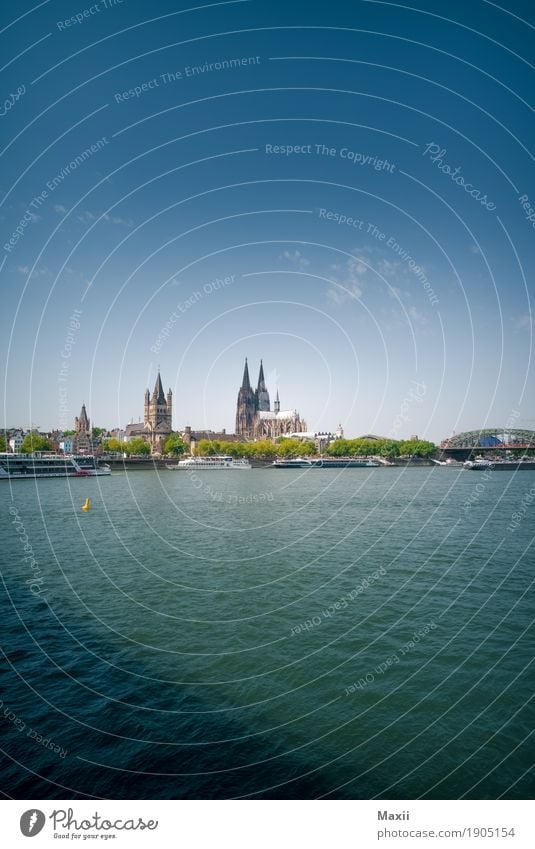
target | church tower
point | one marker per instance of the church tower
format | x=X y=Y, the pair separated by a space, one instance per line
x=82 y=432
x=261 y=395
x=158 y=414
x=245 y=408
x=159 y=409
x=277 y=404
x=81 y=423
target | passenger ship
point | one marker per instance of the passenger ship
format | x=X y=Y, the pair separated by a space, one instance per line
x=324 y=463
x=44 y=465
x=203 y=463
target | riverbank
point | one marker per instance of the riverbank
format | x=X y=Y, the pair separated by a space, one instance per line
x=143 y=463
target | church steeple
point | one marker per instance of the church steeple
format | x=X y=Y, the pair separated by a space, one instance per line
x=246 y=383
x=81 y=422
x=277 y=404
x=262 y=395
x=158 y=414
x=245 y=407
x=158 y=394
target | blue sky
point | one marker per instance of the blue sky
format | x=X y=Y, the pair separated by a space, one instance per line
x=303 y=205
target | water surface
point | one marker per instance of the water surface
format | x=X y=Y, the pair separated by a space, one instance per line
x=348 y=633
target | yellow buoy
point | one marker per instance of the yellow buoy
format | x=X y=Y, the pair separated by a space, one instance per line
x=87 y=505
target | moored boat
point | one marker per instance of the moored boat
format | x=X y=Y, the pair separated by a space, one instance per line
x=479 y=464
x=447 y=464
x=293 y=463
x=42 y=464
x=211 y=463
x=523 y=464
x=345 y=463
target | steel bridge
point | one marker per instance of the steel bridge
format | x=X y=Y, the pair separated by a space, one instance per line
x=488 y=441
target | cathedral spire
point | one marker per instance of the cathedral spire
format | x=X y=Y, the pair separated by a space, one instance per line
x=246 y=383
x=262 y=395
x=246 y=406
x=277 y=404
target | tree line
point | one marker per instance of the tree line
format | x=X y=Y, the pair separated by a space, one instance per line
x=264 y=449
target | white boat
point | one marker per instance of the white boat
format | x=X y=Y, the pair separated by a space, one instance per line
x=324 y=463
x=345 y=463
x=447 y=464
x=478 y=464
x=293 y=463
x=211 y=463
x=47 y=465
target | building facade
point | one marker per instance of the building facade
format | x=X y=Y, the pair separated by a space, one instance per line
x=254 y=417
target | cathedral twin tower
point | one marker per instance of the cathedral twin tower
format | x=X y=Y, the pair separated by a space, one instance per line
x=254 y=417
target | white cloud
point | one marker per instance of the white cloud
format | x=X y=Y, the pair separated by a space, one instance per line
x=296 y=258
x=341 y=294
x=348 y=280
x=60 y=209
x=116 y=219
x=416 y=316
x=85 y=217
x=523 y=321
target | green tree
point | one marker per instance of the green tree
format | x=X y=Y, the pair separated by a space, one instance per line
x=291 y=448
x=237 y=449
x=417 y=448
x=338 y=448
x=97 y=431
x=175 y=445
x=307 y=448
x=35 y=442
x=2 y=442
x=389 y=448
x=208 y=447
x=113 y=445
x=136 y=446
x=68 y=433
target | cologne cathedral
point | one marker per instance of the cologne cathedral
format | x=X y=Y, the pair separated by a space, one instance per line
x=254 y=417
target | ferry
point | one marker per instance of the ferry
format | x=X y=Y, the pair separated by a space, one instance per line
x=324 y=463
x=523 y=464
x=478 y=464
x=293 y=463
x=447 y=464
x=345 y=463
x=46 y=465
x=210 y=463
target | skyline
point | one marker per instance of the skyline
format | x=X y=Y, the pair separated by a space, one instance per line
x=273 y=202
x=398 y=431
